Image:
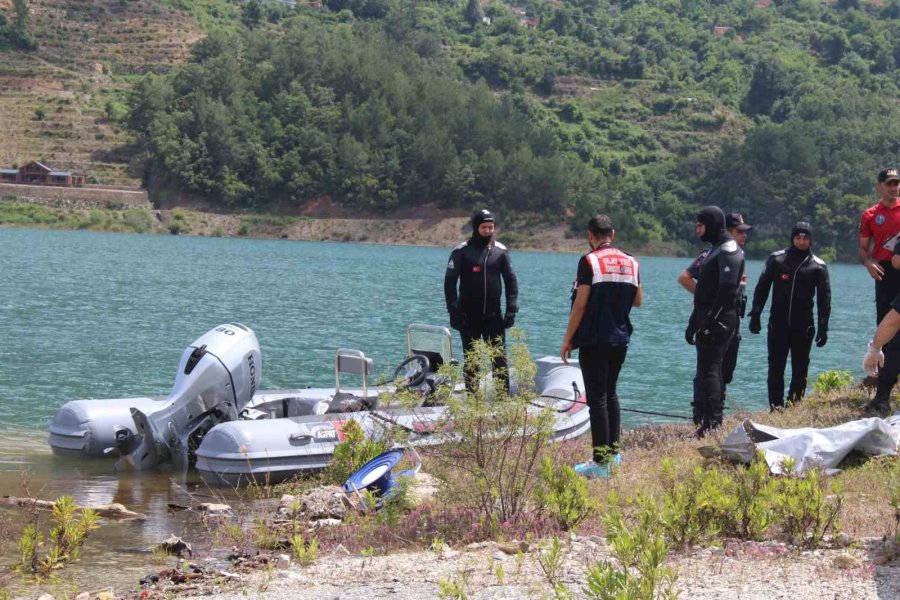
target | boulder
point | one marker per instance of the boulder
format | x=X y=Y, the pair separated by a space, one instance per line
x=176 y=547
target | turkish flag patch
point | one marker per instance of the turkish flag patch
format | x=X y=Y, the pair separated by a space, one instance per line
x=476 y=269
x=785 y=277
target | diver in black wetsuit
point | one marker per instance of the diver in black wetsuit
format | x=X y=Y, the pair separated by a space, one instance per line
x=797 y=277
x=714 y=318
x=477 y=266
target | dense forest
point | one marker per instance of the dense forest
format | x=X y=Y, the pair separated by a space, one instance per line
x=646 y=110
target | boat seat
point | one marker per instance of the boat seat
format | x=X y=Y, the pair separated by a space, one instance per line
x=352 y=362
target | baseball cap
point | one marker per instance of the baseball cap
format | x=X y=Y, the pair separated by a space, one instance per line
x=736 y=221
x=888 y=174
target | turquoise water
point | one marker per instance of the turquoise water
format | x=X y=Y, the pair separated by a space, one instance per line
x=107 y=315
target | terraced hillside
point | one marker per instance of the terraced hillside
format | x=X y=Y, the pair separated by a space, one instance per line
x=55 y=103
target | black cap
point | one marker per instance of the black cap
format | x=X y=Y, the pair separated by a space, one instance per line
x=736 y=221
x=888 y=174
x=802 y=228
x=482 y=216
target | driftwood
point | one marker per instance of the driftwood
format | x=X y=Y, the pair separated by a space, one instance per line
x=108 y=511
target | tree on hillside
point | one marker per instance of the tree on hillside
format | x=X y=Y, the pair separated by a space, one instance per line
x=473 y=12
x=19 y=36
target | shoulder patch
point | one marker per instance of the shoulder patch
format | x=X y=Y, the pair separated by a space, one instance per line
x=463 y=245
x=730 y=246
x=499 y=245
x=818 y=260
x=779 y=252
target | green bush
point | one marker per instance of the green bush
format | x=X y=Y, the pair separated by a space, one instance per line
x=69 y=533
x=638 y=550
x=832 y=380
x=565 y=494
x=352 y=453
x=495 y=444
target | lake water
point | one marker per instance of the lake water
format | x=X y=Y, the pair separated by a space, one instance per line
x=101 y=315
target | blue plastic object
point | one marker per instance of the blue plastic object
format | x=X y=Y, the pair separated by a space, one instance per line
x=376 y=475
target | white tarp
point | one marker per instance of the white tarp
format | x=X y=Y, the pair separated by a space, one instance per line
x=810 y=447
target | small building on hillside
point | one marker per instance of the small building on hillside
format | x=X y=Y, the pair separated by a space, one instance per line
x=37 y=173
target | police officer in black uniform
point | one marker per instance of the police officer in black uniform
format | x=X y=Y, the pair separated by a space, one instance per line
x=797 y=277
x=714 y=318
x=477 y=266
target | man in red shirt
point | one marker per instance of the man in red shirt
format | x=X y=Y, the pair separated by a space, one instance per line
x=879 y=232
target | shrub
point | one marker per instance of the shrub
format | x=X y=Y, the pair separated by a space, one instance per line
x=71 y=530
x=565 y=494
x=493 y=449
x=832 y=380
x=351 y=454
x=305 y=552
x=805 y=512
x=638 y=551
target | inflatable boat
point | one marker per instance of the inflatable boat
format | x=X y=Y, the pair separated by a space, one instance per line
x=217 y=421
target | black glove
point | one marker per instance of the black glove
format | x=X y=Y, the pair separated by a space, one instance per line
x=822 y=337
x=509 y=320
x=689 y=334
x=458 y=320
x=755 y=324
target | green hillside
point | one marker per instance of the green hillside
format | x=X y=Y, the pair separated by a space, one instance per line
x=646 y=110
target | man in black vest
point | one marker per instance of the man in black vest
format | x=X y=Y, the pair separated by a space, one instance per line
x=797 y=277
x=477 y=267
x=607 y=285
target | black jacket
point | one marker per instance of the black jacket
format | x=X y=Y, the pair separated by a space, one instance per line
x=716 y=295
x=478 y=267
x=795 y=278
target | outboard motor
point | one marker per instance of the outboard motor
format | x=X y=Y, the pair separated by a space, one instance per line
x=217 y=377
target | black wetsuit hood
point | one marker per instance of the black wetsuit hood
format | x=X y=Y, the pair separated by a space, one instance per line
x=713 y=219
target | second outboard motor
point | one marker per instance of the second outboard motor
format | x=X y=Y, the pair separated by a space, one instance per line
x=217 y=377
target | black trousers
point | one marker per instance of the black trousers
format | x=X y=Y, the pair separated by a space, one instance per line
x=709 y=397
x=885 y=292
x=729 y=362
x=782 y=342
x=600 y=367
x=489 y=329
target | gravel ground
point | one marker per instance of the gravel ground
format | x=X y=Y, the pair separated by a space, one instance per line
x=743 y=570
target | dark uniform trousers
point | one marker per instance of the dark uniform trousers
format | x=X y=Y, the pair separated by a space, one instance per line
x=709 y=398
x=798 y=343
x=490 y=329
x=600 y=367
x=885 y=291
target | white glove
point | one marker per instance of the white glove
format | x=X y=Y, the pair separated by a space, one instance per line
x=873 y=361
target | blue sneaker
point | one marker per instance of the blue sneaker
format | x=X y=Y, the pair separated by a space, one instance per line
x=591 y=469
x=617 y=459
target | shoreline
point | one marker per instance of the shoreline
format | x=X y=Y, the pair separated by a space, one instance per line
x=438 y=228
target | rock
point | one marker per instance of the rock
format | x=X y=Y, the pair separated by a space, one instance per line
x=283 y=561
x=83 y=596
x=287 y=506
x=214 y=510
x=116 y=511
x=513 y=547
x=324 y=523
x=845 y=562
x=448 y=554
x=499 y=556
x=46 y=597
x=842 y=540
x=176 y=547
x=105 y=596
x=326 y=502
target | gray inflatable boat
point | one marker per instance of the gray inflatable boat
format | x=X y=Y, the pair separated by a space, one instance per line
x=217 y=421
